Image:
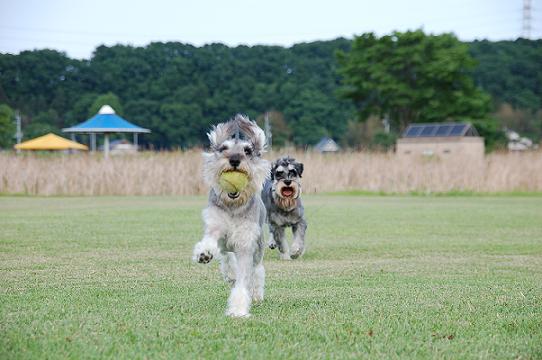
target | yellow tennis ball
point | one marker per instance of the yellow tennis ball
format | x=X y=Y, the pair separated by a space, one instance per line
x=233 y=181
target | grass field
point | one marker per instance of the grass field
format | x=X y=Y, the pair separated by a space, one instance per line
x=384 y=277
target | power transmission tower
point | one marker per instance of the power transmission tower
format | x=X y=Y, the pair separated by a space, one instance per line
x=527 y=18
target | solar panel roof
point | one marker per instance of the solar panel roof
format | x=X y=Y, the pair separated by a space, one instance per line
x=439 y=130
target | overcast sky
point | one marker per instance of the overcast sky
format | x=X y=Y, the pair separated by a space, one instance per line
x=77 y=27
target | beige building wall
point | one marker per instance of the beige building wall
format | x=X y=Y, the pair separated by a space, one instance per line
x=467 y=146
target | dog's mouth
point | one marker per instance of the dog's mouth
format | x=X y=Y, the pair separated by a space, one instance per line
x=236 y=169
x=287 y=191
x=234 y=195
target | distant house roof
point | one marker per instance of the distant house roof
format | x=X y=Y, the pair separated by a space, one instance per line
x=439 y=130
x=327 y=145
x=50 y=142
x=106 y=121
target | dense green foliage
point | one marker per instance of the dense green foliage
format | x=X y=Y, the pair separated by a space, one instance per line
x=412 y=77
x=179 y=90
x=510 y=71
x=7 y=127
x=382 y=278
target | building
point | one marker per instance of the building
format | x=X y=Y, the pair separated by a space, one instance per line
x=441 y=140
x=519 y=143
x=120 y=147
x=50 y=142
x=106 y=122
x=327 y=145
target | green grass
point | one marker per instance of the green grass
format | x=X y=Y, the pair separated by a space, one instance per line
x=383 y=277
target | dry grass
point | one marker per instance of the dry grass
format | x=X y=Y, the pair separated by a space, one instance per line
x=178 y=173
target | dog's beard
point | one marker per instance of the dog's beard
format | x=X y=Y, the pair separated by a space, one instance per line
x=285 y=196
x=256 y=169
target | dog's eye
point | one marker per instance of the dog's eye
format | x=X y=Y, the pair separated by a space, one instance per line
x=293 y=173
x=248 y=151
x=279 y=173
x=222 y=148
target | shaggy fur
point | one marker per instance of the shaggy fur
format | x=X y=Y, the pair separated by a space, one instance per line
x=233 y=221
x=282 y=199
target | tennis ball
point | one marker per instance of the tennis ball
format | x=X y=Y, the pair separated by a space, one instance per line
x=233 y=181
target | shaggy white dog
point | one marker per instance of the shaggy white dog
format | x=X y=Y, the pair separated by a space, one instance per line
x=233 y=221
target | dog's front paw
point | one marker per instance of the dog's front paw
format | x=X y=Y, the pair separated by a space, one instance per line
x=272 y=244
x=204 y=257
x=203 y=254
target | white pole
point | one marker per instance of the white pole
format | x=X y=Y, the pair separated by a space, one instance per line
x=268 y=134
x=106 y=145
x=19 y=133
x=71 y=151
x=135 y=141
x=93 y=142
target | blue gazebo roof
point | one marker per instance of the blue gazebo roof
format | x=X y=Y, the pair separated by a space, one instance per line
x=106 y=121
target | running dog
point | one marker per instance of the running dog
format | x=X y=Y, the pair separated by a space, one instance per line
x=233 y=221
x=281 y=196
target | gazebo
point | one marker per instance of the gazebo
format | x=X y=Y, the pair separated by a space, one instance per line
x=50 y=142
x=105 y=122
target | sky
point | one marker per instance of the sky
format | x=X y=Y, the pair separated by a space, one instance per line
x=78 y=27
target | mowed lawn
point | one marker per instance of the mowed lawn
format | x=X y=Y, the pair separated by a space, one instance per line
x=383 y=277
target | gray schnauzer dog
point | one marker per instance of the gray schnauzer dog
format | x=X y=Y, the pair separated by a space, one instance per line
x=233 y=221
x=281 y=196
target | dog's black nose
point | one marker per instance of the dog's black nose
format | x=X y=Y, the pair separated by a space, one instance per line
x=235 y=160
x=287 y=182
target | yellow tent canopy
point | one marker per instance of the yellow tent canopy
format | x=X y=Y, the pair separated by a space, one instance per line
x=50 y=142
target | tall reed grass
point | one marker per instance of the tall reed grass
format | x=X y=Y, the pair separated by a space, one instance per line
x=179 y=173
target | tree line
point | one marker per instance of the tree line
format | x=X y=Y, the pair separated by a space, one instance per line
x=309 y=90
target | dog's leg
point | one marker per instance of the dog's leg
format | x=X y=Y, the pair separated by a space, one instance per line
x=240 y=299
x=272 y=243
x=282 y=244
x=228 y=267
x=259 y=272
x=298 y=246
x=259 y=283
x=207 y=248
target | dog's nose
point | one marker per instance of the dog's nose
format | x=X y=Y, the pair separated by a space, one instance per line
x=287 y=182
x=235 y=160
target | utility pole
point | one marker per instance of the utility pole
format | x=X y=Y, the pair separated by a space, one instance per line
x=268 y=133
x=527 y=18
x=18 y=132
x=386 y=123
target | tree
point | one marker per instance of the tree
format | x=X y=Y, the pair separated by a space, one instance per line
x=279 y=128
x=300 y=81
x=182 y=125
x=42 y=124
x=412 y=77
x=106 y=99
x=510 y=71
x=7 y=126
x=313 y=115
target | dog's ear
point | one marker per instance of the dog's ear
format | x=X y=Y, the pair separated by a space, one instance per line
x=253 y=132
x=299 y=168
x=221 y=133
x=273 y=168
